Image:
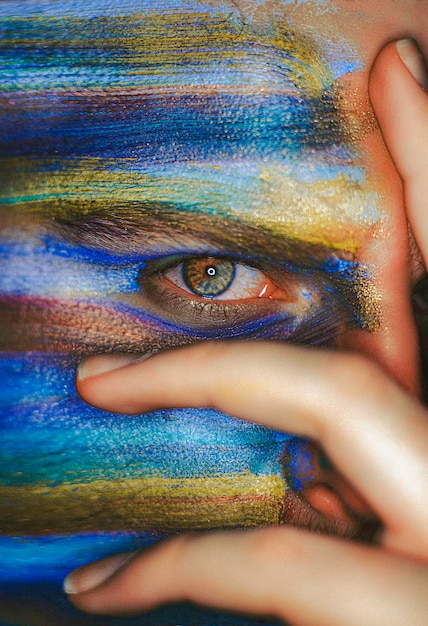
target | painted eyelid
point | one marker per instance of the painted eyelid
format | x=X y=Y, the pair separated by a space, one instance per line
x=159 y=265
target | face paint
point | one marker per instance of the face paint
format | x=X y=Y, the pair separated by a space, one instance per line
x=169 y=173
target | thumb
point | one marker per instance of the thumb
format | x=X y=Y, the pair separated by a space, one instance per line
x=397 y=90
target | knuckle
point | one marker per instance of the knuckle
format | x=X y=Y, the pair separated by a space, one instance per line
x=216 y=367
x=173 y=556
x=355 y=374
x=359 y=390
x=271 y=547
x=208 y=354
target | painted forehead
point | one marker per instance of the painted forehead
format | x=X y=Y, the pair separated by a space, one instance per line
x=181 y=105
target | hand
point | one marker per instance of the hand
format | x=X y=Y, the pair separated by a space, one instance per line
x=401 y=106
x=372 y=430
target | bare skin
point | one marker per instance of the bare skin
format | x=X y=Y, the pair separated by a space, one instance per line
x=378 y=439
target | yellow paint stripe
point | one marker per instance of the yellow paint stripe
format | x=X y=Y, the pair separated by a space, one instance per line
x=162 y=504
x=338 y=213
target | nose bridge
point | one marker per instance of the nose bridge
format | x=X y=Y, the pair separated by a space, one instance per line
x=393 y=342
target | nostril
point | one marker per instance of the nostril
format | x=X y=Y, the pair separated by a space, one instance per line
x=420 y=297
x=304 y=464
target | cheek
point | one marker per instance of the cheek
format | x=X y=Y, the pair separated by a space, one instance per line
x=169 y=470
x=56 y=298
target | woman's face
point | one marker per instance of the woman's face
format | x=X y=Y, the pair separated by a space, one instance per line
x=171 y=172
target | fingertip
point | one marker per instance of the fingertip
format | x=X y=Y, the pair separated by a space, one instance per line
x=89 y=578
x=401 y=104
x=101 y=364
x=410 y=54
x=98 y=379
x=399 y=69
x=382 y=71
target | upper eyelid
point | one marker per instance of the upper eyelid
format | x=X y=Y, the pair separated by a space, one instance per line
x=161 y=264
x=283 y=255
x=183 y=234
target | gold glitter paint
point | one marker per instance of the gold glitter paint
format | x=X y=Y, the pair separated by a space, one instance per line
x=150 y=503
x=370 y=303
x=338 y=213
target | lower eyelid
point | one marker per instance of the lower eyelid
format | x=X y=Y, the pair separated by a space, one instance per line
x=169 y=304
x=165 y=300
x=210 y=315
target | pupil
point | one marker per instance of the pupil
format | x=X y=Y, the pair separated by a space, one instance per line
x=211 y=271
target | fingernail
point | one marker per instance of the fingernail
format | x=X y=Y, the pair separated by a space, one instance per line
x=96 y=365
x=412 y=58
x=87 y=578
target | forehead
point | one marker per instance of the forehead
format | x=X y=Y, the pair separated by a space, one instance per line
x=209 y=107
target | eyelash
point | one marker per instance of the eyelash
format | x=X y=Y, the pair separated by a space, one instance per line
x=293 y=299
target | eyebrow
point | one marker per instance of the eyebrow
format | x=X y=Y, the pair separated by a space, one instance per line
x=266 y=195
x=151 y=231
x=158 y=232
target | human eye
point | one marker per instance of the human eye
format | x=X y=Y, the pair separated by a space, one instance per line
x=232 y=296
x=222 y=279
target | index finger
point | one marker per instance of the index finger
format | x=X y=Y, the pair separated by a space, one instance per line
x=401 y=106
x=372 y=430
